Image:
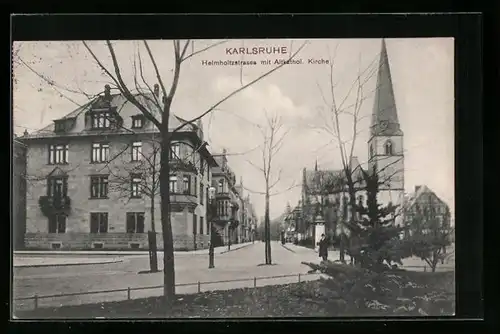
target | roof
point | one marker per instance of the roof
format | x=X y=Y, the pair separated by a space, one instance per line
x=384 y=115
x=124 y=108
x=421 y=191
x=316 y=180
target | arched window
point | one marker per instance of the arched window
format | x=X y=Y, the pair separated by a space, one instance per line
x=371 y=150
x=388 y=148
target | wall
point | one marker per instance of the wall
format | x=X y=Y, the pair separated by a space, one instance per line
x=79 y=170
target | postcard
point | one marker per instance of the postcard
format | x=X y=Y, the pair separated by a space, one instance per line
x=233 y=178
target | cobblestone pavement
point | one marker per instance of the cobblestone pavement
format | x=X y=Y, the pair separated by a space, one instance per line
x=243 y=263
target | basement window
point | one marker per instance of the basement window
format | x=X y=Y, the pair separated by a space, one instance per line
x=98 y=245
x=55 y=245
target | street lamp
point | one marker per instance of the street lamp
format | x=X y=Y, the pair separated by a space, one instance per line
x=212 y=210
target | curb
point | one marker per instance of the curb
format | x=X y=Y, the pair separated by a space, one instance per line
x=66 y=264
x=288 y=249
x=227 y=251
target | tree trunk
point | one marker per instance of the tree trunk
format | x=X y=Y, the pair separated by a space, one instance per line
x=153 y=250
x=168 y=245
x=268 y=230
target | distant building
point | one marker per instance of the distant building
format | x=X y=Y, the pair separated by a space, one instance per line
x=234 y=212
x=92 y=167
x=19 y=193
x=423 y=202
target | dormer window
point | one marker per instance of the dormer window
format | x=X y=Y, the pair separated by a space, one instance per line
x=63 y=125
x=100 y=119
x=137 y=121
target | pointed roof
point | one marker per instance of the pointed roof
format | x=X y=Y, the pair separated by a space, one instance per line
x=420 y=191
x=384 y=116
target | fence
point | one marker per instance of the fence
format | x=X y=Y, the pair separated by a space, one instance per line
x=36 y=298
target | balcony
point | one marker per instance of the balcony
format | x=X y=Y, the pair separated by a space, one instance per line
x=181 y=165
x=222 y=195
x=180 y=201
x=52 y=205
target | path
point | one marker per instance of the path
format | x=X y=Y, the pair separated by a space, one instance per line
x=238 y=264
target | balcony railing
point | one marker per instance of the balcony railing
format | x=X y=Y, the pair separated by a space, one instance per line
x=51 y=205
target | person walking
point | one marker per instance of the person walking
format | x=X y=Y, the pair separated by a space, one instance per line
x=323 y=248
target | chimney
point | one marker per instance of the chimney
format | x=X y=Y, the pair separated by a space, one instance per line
x=156 y=89
x=417 y=188
x=107 y=92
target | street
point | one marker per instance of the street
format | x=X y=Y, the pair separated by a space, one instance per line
x=245 y=262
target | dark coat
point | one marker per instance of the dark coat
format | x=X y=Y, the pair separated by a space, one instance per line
x=323 y=247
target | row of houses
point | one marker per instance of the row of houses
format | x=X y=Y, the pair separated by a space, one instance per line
x=92 y=181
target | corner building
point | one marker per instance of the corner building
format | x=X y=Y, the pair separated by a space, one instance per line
x=94 y=179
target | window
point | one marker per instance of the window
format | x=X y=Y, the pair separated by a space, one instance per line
x=135 y=185
x=100 y=120
x=57 y=224
x=208 y=227
x=98 y=186
x=100 y=152
x=202 y=224
x=175 y=151
x=59 y=126
x=388 y=148
x=173 y=184
x=136 y=151
x=57 y=186
x=135 y=222
x=195 y=221
x=195 y=185
x=360 y=199
x=58 y=154
x=202 y=193
x=186 y=180
x=371 y=150
x=202 y=166
x=98 y=222
x=221 y=186
x=137 y=121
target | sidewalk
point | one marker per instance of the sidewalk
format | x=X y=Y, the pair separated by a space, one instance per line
x=31 y=262
x=217 y=250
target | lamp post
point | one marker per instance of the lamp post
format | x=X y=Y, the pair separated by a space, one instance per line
x=211 y=206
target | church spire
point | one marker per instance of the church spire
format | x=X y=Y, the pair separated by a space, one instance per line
x=384 y=116
x=316 y=166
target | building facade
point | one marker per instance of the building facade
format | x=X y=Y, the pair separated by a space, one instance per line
x=425 y=204
x=97 y=179
x=19 y=183
x=227 y=199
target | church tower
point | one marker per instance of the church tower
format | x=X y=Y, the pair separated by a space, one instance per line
x=385 y=145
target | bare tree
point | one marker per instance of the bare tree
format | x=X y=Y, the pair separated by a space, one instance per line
x=274 y=135
x=158 y=111
x=340 y=119
x=141 y=179
x=430 y=233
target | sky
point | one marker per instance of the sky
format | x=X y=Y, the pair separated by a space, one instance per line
x=422 y=74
